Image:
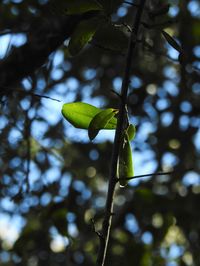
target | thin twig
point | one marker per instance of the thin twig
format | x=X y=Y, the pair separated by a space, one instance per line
x=106 y=226
x=139 y=176
x=14 y=89
x=131 y=4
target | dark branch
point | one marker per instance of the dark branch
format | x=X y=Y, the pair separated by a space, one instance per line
x=106 y=227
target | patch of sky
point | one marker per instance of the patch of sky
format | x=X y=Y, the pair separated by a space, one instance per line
x=58 y=58
x=122 y=11
x=196 y=51
x=59 y=243
x=169 y=159
x=51 y=112
x=162 y=104
x=147 y=238
x=196 y=140
x=4 y=256
x=45 y=199
x=171 y=73
x=72 y=84
x=53 y=161
x=175 y=251
x=196 y=64
x=4 y=43
x=7 y=204
x=71 y=217
x=161 y=93
x=80 y=186
x=144 y=163
x=34 y=201
x=150 y=110
x=167 y=118
x=66 y=65
x=18 y=39
x=64 y=185
x=89 y=73
x=117 y=83
x=11 y=39
x=195 y=121
x=94 y=155
x=99 y=202
x=184 y=122
x=136 y=82
x=10 y=227
x=27 y=84
x=31 y=113
x=186 y=107
x=3 y=122
x=25 y=104
x=38 y=129
x=144 y=130
x=57 y=199
x=14 y=162
x=51 y=175
x=191 y=178
x=87 y=91
x=72 y=230
x=131 y=223
x=34 y=173
x=196 y=88
x=171 y=88
x=6 y=179
x=194 y=8
x=172 y=52
x=57 y=74
x=14 y=136
x=173 y=11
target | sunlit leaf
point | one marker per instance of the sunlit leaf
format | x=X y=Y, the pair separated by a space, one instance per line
x=79 y=6
x=172 y=41
x=100 y=121
x=131 y=132
x=82 y=35
x=125 y=163
x=81 y=114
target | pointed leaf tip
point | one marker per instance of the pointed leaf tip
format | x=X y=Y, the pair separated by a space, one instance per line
x=101 y=121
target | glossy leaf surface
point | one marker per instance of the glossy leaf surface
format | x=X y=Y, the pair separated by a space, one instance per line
x=82 y=35
x=131 y=132
x=80 y=115
x=100 y=121
x=125 y=163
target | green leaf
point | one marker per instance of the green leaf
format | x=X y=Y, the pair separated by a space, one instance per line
x=125 y=162
x=73 y=7
x=172 y=41
x=131 y=132
x=100 y=121
x=111 y=37
x=81 y=114
x=82 y=35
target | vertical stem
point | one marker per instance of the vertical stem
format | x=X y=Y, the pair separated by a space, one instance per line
x=106 y=226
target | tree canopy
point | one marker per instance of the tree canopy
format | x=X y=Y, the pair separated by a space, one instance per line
x=53 y=178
